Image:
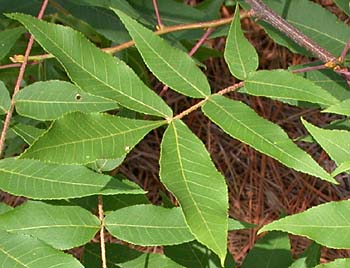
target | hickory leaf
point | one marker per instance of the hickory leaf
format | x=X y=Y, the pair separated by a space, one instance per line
x=240 y=55
x=93 y=70
x=337 y=263
x=115 y=254
x=37 y=180
x=271 y=251
x=62 y=227
x=5 y=101
x=342 y=108
x=148 y=225
x=27 y=132
x=261 y=134
x=327 y=224
x=282 y=84
x=200 y=189
x=150 y=260
x=24 y=251
x=334 y=142
x=89 y=137
x=170 y=65
x=8 y=39
x=343 y=167
x=344 y=5
x=50 y=100
x=194 y=254
x=310 y=257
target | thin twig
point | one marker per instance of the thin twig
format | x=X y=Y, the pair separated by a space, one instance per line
x=201 y=103
x=102 y=232
x=201 y=41
x=156 y=11
x=18 y=82
x=263 y=12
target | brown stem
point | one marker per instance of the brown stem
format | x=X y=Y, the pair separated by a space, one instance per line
x=263 y=12
x=102 y=232
x=18 y=82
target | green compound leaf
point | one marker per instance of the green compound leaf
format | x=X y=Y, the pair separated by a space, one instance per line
x=24 y=251
x=62 y=227
x=282 y=84
x=79 y=138
x=337 y=263
x=342 y=108
x=5 y=100
x=148 y=225
x=37 y=180
x=7 y=40
x=334 y=142
x=50 y=100
x=200 y=189
x=92 y=70
x=170 y=65
x=261 y=134
x=150 y=260
x=240 y=55
x=271 y=251
x=327 y=224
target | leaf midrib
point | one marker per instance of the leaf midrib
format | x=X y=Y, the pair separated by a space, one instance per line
x=53 y=226
x=13 y=257
x=50 y=180
x=300 y=90
x=187 y=187
x=93 y=139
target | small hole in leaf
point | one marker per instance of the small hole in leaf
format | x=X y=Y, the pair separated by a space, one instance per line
x=78 y=97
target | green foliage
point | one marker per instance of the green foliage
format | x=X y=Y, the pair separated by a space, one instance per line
x=93 y=70
x=5 y=100
x=148 y=225
x=261 y=134
x=338 y=263
x=101 y=137
x=81 y=110
x=37 y=180
x=271 y=251
x=170 y=65
x=52 y=99
x=281 y=84
x=19 y=250
x=62 y=227
x=240 y=55
x=310 y=257
x=8 y=39
x=327 y=224
x=200 y=188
